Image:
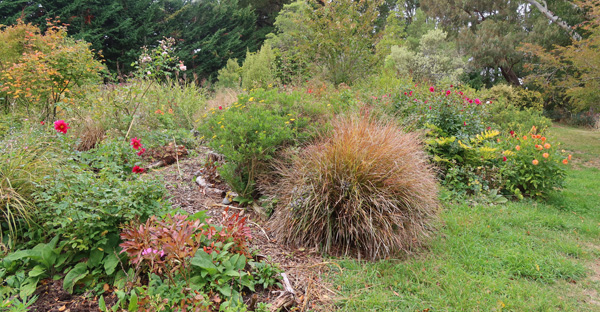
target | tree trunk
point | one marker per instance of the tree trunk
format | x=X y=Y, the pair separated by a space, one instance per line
x=510 y=76
x=555 y=19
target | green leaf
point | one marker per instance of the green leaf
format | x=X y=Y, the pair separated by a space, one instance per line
x=133 y=302
x=110 y=263
x=77 y=273
x=204 y=261
x=37 y=271
x=225 y=290
x=102 y=304
x=28 y=287
x=232 y=273
x=96 y=256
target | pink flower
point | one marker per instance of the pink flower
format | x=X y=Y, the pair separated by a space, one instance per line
x=477 y=101
x=470 y=101
x=512 y=133
x=461 y=93
x=135 y=143
x=220 y=107
x=430 y=107
x=504 y=158
x=431 y=89
x=410 y=93
x=137 y=169
x=141 y=151
x=451 y=86
x=489 y=128
x=181 y=66
x=42 y=123
x=405 y=93
x=448 y=92
x=61 y=126
x=465 y=123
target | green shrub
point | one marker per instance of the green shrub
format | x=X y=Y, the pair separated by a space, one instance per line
x=248 y=135
x=258 y=70
x=365 y=189
x=251 y=131
x=97 y=189
x=230 y=75
x=512 y=109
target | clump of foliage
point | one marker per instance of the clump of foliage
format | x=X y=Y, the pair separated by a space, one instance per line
x=533 y=166
x=572 y=68
x=250 y=132
x=39 y=71
x=515 y=109
x=24 y=162
x=366 y=188
x=435 y=60
x=198 y=258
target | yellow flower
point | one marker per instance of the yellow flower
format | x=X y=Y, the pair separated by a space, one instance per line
x=292 y=119
x=251 y=99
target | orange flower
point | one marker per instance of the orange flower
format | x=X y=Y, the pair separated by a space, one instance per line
x=543 y=139
x=524 y=137
x=570 y=156
x=539 y=147
x=535 y=162
x=158 y=111
x=545 y=155
x=547 y=146
x=518 y=148
x=565 y=161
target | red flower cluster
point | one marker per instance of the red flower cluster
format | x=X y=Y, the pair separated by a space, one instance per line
x=61 y=126
x=137 y=169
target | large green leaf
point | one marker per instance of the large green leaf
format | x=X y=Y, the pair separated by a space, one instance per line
x=110 y=263
x=77 y=273
x=204 y=261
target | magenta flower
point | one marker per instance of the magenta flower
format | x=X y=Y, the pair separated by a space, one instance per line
x=141 y=151
x=477 y=101
x=431 y=89
x=61 y=126
x=448 y=92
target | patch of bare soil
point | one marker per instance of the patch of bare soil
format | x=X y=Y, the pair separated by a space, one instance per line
x=52 y=297
x=304 y=267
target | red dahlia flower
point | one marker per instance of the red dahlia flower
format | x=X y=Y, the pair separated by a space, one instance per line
x=135 y=143
x=61 y=126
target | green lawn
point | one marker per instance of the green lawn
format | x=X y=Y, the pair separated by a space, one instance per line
x=522 y=256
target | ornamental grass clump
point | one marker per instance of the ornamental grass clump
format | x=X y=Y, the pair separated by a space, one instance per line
x=366 y=189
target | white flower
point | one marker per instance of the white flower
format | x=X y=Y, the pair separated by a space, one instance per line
x=148 y=73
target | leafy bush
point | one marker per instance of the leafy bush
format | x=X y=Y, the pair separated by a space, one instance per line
x=249 y=133
x=198 y=258
x=367 y=188
x=230 y=75
x=97 y=189
x=534 y=165
x=433 y=62
x=258 y=70
x=47 y=71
